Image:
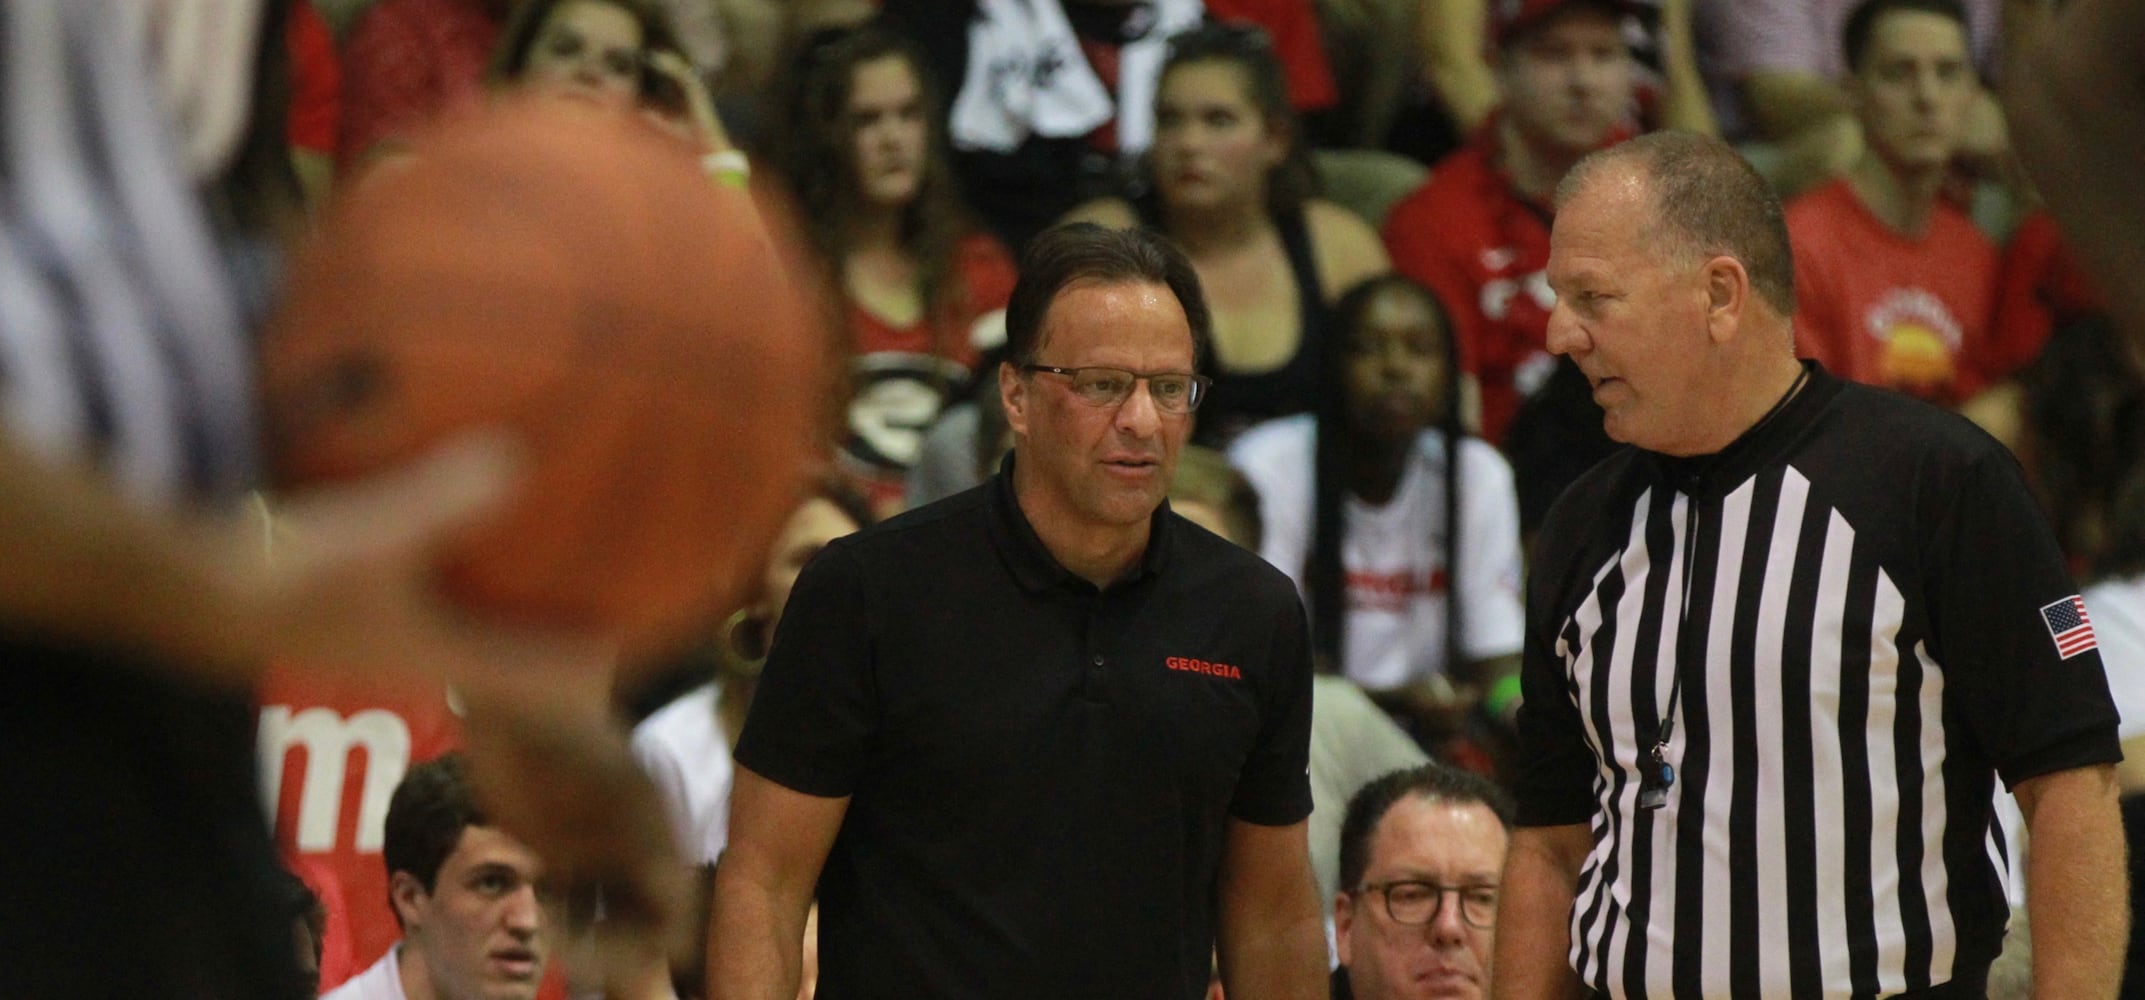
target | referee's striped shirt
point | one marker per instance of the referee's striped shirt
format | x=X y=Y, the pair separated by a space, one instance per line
x=120 y=342
x=1853 y=593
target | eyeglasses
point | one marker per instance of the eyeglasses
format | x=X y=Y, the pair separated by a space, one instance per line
x=1414 y=902
x=1172 y=392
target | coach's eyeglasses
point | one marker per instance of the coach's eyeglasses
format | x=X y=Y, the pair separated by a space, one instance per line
x=1414 y=902
x=1172 y=392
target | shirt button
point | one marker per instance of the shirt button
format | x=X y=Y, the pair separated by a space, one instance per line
x=1097 y=660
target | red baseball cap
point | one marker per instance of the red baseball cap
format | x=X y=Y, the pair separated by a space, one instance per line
x=1509 y=18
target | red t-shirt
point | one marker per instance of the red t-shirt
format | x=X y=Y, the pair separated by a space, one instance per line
x=1886 y=309
x=2039 y=285
x=901 y=374
x=316 y=81
x=1484 y=249
x=409 y=60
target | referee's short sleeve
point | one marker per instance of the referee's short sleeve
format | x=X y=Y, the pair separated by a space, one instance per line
x=815 y=710
x=1555 y=781
x=1993 y=567
x=1274 y=788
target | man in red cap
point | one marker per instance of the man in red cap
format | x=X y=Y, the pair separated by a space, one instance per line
x=1478 y=231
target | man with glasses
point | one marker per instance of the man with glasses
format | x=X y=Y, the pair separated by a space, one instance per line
x=1421 y=852
x=1043 y=738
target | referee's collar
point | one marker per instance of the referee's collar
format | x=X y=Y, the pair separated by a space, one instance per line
x=1708 y=476
x=1031 y=562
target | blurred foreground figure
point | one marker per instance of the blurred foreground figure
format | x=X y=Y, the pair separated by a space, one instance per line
x=135 y=607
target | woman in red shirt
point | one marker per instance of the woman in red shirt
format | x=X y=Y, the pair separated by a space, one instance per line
x=923 y=288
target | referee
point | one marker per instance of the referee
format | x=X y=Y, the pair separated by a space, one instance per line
x=1779 y=652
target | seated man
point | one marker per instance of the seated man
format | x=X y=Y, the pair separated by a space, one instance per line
x=1478 y=231
x=465 y=894
x=1422 y=850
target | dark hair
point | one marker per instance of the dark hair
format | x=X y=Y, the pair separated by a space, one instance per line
x=1324 y=577
x=1078 y=252
x=1706 y=201
x=510 y=55
x=816 y=153
x=1854 y=40
x=1432 y=780
x=1292 y=181
x=425 y=818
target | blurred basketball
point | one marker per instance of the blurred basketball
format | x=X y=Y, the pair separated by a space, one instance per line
x=573 y=277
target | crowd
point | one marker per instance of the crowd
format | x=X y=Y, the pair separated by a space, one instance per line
x=1417 y=448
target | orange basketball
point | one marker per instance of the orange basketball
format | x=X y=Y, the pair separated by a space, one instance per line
x=573 y=277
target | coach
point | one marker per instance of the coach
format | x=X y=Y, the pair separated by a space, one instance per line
x=1779 y=653
x=1043 y=738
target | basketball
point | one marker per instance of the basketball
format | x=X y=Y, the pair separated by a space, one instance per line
x=572 y=277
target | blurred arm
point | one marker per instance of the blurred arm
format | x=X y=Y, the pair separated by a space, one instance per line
x=1685 y=106
x=1272 y=934
x=779 y=840
x=1454 y=35
x=2079 y=117
x=1541 y=876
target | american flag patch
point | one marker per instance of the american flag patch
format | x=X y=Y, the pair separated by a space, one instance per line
x=2069 y=627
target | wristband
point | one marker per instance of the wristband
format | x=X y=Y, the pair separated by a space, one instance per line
x=1503 y=695
x=728 y=167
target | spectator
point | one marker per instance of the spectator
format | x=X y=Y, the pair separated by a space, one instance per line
x=961 y=448
x=924 y=289
x=1778 y=78
x=1352 y=740
x=1893 y=284
x=1232 y=185
x=1421 y=854
x=686 y=745
x=405 y=62
x=2040 y=286
x=1053 y=99
x=1478 y=232
x=620 y=54
x=1672 y=95
x=466 y=893
x=1382 y=509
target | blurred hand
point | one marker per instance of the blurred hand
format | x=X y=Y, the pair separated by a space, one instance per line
x=348 y=585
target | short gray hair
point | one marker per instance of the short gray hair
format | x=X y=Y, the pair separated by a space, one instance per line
x=1706 y=201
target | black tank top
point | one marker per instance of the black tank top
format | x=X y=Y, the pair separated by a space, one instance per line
x=1240 y=399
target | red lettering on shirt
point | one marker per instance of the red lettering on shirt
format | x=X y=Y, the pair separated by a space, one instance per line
x=1195 y=666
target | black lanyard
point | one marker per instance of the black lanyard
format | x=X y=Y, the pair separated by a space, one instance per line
x=1658 y=774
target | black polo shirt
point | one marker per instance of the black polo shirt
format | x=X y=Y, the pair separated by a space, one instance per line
x=1040 y=773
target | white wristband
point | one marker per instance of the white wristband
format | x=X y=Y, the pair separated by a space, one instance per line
x=729 y=162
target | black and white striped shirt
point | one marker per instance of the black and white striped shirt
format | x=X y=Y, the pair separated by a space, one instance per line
x=1852 y=590
x=119 y=338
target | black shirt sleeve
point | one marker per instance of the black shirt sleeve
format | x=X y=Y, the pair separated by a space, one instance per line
x=1554 y=784
x=1274 y=788
x=1993 y=568
x=816 y=708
